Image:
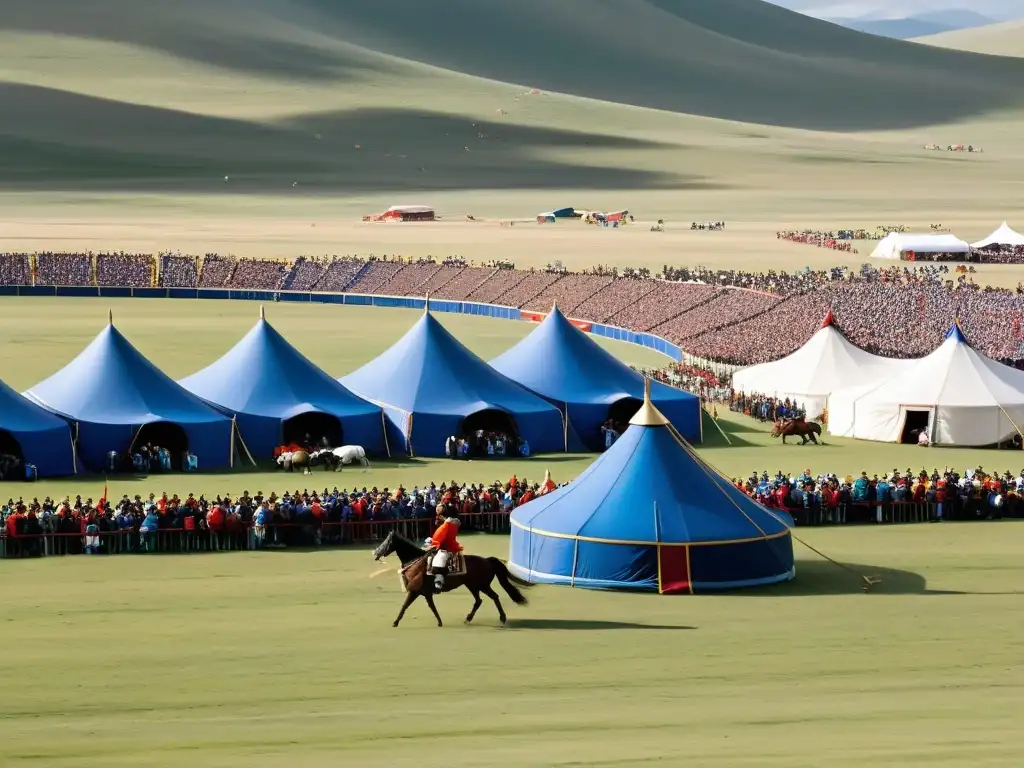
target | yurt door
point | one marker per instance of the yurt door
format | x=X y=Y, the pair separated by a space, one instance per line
x=914 y=421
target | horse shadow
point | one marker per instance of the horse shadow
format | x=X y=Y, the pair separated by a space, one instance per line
x=590 y=625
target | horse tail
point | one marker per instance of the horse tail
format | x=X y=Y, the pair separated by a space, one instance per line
x=509 y=581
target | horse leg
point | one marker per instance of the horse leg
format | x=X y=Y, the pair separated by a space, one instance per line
x=497 y=602
x=430 y=601
x=410 y=598
x=477 y=602
x=783 y=439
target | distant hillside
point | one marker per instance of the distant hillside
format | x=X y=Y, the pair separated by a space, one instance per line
x=918 y=25
x=742 y=60
x=1006 y=39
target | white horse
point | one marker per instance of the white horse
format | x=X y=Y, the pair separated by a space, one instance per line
x=339 y=457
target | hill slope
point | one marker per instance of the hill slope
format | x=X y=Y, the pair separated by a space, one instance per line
x=1006 y=39
x=743 y=60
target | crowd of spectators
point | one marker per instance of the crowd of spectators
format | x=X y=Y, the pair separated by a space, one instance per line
x=250 y=521
x=1003 y=254
x=15 y=269
x=178 y=270
x=729 y=316
x=819 y=239
x=63 y=269
x=134 y=270
x=216 y=270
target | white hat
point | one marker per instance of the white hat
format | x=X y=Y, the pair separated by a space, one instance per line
x=453 y=520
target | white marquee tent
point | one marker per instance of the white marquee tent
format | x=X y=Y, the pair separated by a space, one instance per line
x=827 y=362
x=1004 y=235
x=961 y=396
x=893 y=245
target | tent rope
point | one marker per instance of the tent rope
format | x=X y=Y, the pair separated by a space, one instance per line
x=717 y=477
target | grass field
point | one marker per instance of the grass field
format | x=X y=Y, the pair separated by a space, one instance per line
x=183 y=336
x=289 y=658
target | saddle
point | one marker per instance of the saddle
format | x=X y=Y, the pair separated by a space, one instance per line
x=456 y=565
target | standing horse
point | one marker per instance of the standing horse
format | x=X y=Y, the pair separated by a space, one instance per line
x=480 y=572
x=338 y=457
x=290 y=460
x=797 y=427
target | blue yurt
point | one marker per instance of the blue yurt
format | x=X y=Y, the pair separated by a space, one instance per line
x=116 y=399
x=279 y=396
x=34 y=436
x=432 y=387
x=650 y=515
x=564 y=365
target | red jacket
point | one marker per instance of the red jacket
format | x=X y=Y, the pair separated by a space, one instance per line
x=444 y=538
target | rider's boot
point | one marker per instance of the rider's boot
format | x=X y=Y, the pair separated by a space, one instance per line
x=439 y=581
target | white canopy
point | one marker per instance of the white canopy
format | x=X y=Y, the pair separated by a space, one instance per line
x=961 y=396
x=827 y=362
x=1004 y=235
x=411 y=209
x=896 y=243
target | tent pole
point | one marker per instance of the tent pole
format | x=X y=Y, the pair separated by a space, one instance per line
x=408 y=436
x=1011 y=422
x=565 y=426
x=234 y=427
x=241 y=440
x=74 y=449
x=384 y=426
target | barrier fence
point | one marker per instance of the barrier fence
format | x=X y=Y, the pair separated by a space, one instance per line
x=328 y=533
x=309 y=534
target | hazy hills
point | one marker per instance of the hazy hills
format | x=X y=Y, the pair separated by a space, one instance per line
x=1006 y=39
x=916 y=25
x=743 y=60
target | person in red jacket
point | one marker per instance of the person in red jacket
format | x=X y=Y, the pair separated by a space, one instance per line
x=443 y=543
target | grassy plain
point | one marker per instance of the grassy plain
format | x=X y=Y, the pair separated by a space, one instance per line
x=289 y=658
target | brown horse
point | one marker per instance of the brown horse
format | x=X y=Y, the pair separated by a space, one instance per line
x=480 y=572
x=797 y=427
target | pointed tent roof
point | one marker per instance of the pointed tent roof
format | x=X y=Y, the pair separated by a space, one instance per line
x=954 y=375
x=429 y=371
x=672 y=496
x=1004 y=234
x=264 y=375
x=559 y=361
x=110 y=382
x=826 y=363
x=19 y=414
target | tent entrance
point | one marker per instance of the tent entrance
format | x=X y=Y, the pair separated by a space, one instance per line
x=478 y=426
x=11 y=457
x=314 y=428
x=162 y=434
x=621 y=411
x=913 y=422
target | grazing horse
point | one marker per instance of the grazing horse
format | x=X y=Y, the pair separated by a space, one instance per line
x=480 y=572
x=291 y=460
x=797 y=427
x=338 y=457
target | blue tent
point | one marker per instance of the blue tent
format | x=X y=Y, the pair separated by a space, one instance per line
x=432 y=387
x=561 y=363
x=43 y=439
x=650 y=515
x=115 y=397
x=273 y=389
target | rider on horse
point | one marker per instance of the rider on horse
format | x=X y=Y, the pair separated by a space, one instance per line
x=442 y=545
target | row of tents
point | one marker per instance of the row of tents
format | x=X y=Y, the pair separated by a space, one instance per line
x=896 y=244
x=554 y=389
x=958 y=394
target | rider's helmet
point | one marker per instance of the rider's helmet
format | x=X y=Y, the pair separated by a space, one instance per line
x=454 y=521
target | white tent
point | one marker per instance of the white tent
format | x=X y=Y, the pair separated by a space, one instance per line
x=895 y=244
x=961 y=396
x=827 y=362
x=1004 y=235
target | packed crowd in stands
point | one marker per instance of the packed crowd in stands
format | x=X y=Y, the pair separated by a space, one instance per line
x=1004 y=254
x=135 y=270
x=902 y=310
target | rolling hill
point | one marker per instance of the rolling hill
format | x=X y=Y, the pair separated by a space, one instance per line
x=1006 y=39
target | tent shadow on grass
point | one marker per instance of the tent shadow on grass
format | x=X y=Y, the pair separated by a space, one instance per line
x=589 y=625
x=819 y=577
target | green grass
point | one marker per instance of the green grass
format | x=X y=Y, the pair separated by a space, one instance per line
x=183 y=336
x=289 y=658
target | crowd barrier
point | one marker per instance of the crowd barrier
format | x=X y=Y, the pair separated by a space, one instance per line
x=309 y=534
x=647 y=340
